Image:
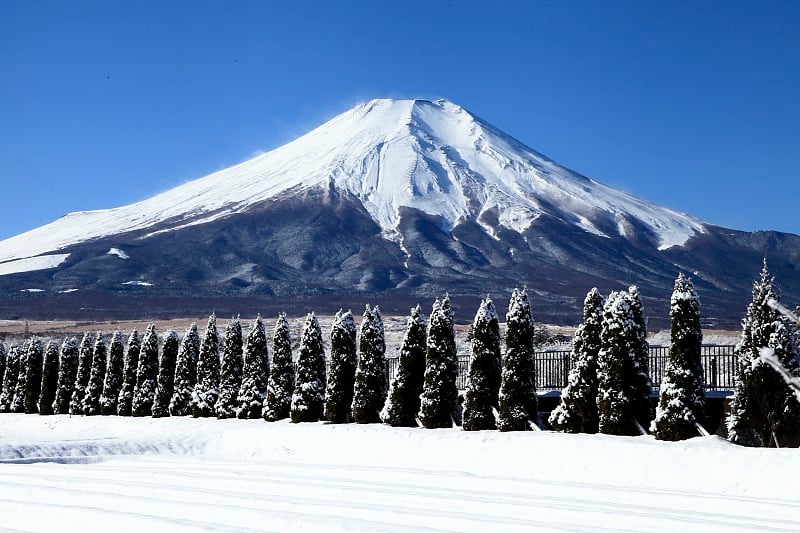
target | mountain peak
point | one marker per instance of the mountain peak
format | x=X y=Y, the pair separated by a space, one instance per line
x=430 y=155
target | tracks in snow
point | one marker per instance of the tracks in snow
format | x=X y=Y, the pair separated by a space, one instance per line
x=188 y=492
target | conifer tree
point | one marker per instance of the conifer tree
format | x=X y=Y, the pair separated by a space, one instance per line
x=641 y=386
x=49 y=379
x=764 y=411
x=125 y=400
x=166 y=375
x=682 y=398
x=84 y=373
x=3 y=357
x=483 y=383
x=114 y=375
x=231 y=372
x=615 y=368
x=519 y=405
x=146 y=374
x=342 y=375
x=10 y=380
x=308 y=399
x=439 y=391
x=185 y=373
x=577 y=412
x=33 y=377
x=91 y=400
x=785 y=346
x=18 y=402
x=67 y=374
x=206 y=390
x=280 y=386
x=402 y=405
x=253 y=391
x=369 y=395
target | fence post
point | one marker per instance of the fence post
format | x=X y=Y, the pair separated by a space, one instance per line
x=713 y=363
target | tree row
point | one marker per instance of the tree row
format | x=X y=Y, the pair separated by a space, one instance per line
x=608 y=390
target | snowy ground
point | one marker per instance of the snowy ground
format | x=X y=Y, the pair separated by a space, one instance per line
x=79 y=474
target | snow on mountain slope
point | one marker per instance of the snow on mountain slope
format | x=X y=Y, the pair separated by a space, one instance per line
x=29 y=264
x=431 y=156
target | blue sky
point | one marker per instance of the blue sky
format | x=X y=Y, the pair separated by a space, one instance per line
x=693 y=105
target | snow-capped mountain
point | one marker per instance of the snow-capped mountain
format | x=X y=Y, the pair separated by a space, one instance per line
x=392 y=194
x=432 y=156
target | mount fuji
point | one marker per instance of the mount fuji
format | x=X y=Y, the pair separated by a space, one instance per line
x=392 y=200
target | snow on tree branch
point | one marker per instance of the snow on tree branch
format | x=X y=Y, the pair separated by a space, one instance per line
x=768 y=354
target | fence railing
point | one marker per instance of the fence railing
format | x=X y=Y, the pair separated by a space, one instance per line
x=552 y=368
x=719 y=366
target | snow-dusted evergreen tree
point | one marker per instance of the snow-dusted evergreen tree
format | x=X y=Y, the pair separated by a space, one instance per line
x=67 y=374
x=519 y=405
x=253 y=391
x=342 y=374
x=47 y=395
x=91 y=400
x=402 y=405
x=33 y=377
x=784 y=344
x=682 y=398
x=3 y=357
x=206 y=390
x=483 y=383
x=615 y=368
x=369 y=395
x=146 y=374
x=764 y=411
x=308 y=399
x=641 y=386
x=439 y=391
x=125 y=400
x=166 y=374
x=230 y=379
x=185 y=373
x=11 y=377
x=114 y=374
x=18 y=402
x=577 y=412
x=84 y=373
x=280 y=386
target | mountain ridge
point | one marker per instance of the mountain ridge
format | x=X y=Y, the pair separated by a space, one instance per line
x=397 y=199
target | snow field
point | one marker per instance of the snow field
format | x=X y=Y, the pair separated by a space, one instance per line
x=181 y=474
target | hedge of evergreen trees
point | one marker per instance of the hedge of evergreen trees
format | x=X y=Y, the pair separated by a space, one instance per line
x=608 y=388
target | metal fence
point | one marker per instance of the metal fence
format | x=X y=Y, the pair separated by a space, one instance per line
x=719 y=366
x=552 y=368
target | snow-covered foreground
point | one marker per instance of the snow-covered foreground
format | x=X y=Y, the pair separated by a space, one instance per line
x=79 y=474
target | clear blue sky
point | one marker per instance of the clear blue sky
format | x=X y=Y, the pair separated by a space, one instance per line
x=694 y=105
